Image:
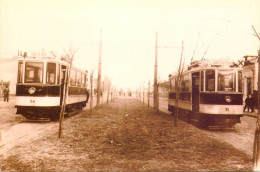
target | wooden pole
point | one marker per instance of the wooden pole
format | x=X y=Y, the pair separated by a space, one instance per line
x=102 y=95
x=155 y=86
x=108 y=92
x=91 y=92
x=99 y=71
x=140 y=94
x=1 y=91
x=111 y=94
x=148 y=94
x=143 y=94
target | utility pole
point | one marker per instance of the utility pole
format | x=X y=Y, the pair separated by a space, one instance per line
x=143 y=94
x=155 y=86
x=2 y=87
x=140 y=94
x=148 y=94
x=99 y=71
x=111 y=92
x=108 y=95
x=256 y=151
x=91 y=91
x=102 y=95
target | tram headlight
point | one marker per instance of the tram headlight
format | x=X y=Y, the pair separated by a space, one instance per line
x=228 y=99
x=32 y=90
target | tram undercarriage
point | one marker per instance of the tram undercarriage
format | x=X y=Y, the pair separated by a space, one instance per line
x=207 y=120
x=34 y=113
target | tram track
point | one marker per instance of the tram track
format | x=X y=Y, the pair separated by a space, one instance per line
x=26 y=129
x=15 y=129
x=19 y=132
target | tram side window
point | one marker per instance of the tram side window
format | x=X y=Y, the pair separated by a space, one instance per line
x=79 y=75
x=58 y=74
x=185 y=83
x=51 y=73
x=33 y=72
x=20 y=72
x=210 y=80
x=85 y=80
x=202 y=81
x=73 y=77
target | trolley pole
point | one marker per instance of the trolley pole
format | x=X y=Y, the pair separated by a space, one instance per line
x=99 y=71
x=155 y=86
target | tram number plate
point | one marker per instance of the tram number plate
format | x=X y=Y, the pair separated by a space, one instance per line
x=32 y=101
x=227 y=109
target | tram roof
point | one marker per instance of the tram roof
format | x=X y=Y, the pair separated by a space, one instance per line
x=49 y=59
x=207 y=65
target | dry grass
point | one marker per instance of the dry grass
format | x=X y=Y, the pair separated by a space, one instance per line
x=126 y=136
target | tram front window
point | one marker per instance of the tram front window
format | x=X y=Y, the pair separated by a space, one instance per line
x=226 y=81
x=210 y=80
x=33 y=72
x=51 y=73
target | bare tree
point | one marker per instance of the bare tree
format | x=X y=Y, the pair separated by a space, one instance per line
x=69 y=58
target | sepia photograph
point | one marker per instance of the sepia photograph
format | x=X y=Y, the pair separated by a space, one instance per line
x=129 y=85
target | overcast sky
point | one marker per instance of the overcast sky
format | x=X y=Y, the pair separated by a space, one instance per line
x=129 y=27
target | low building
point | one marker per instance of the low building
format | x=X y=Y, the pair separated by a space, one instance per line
x=8 y=74
x=250 y=76
x=163 y=89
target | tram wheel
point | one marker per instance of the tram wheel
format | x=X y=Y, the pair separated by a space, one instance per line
x=54 y=117
x=203 y=121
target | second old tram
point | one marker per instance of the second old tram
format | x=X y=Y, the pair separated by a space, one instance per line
x=210 y=93
x=40 y=84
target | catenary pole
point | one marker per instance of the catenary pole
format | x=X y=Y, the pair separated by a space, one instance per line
x=148 y=94
x=99 y=71
x=143 y=94
x=155 y=86
x=91 y=92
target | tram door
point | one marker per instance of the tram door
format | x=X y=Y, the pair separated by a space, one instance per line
x=195 y=91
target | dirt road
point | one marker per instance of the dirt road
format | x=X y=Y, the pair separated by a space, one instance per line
x=125 y=136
